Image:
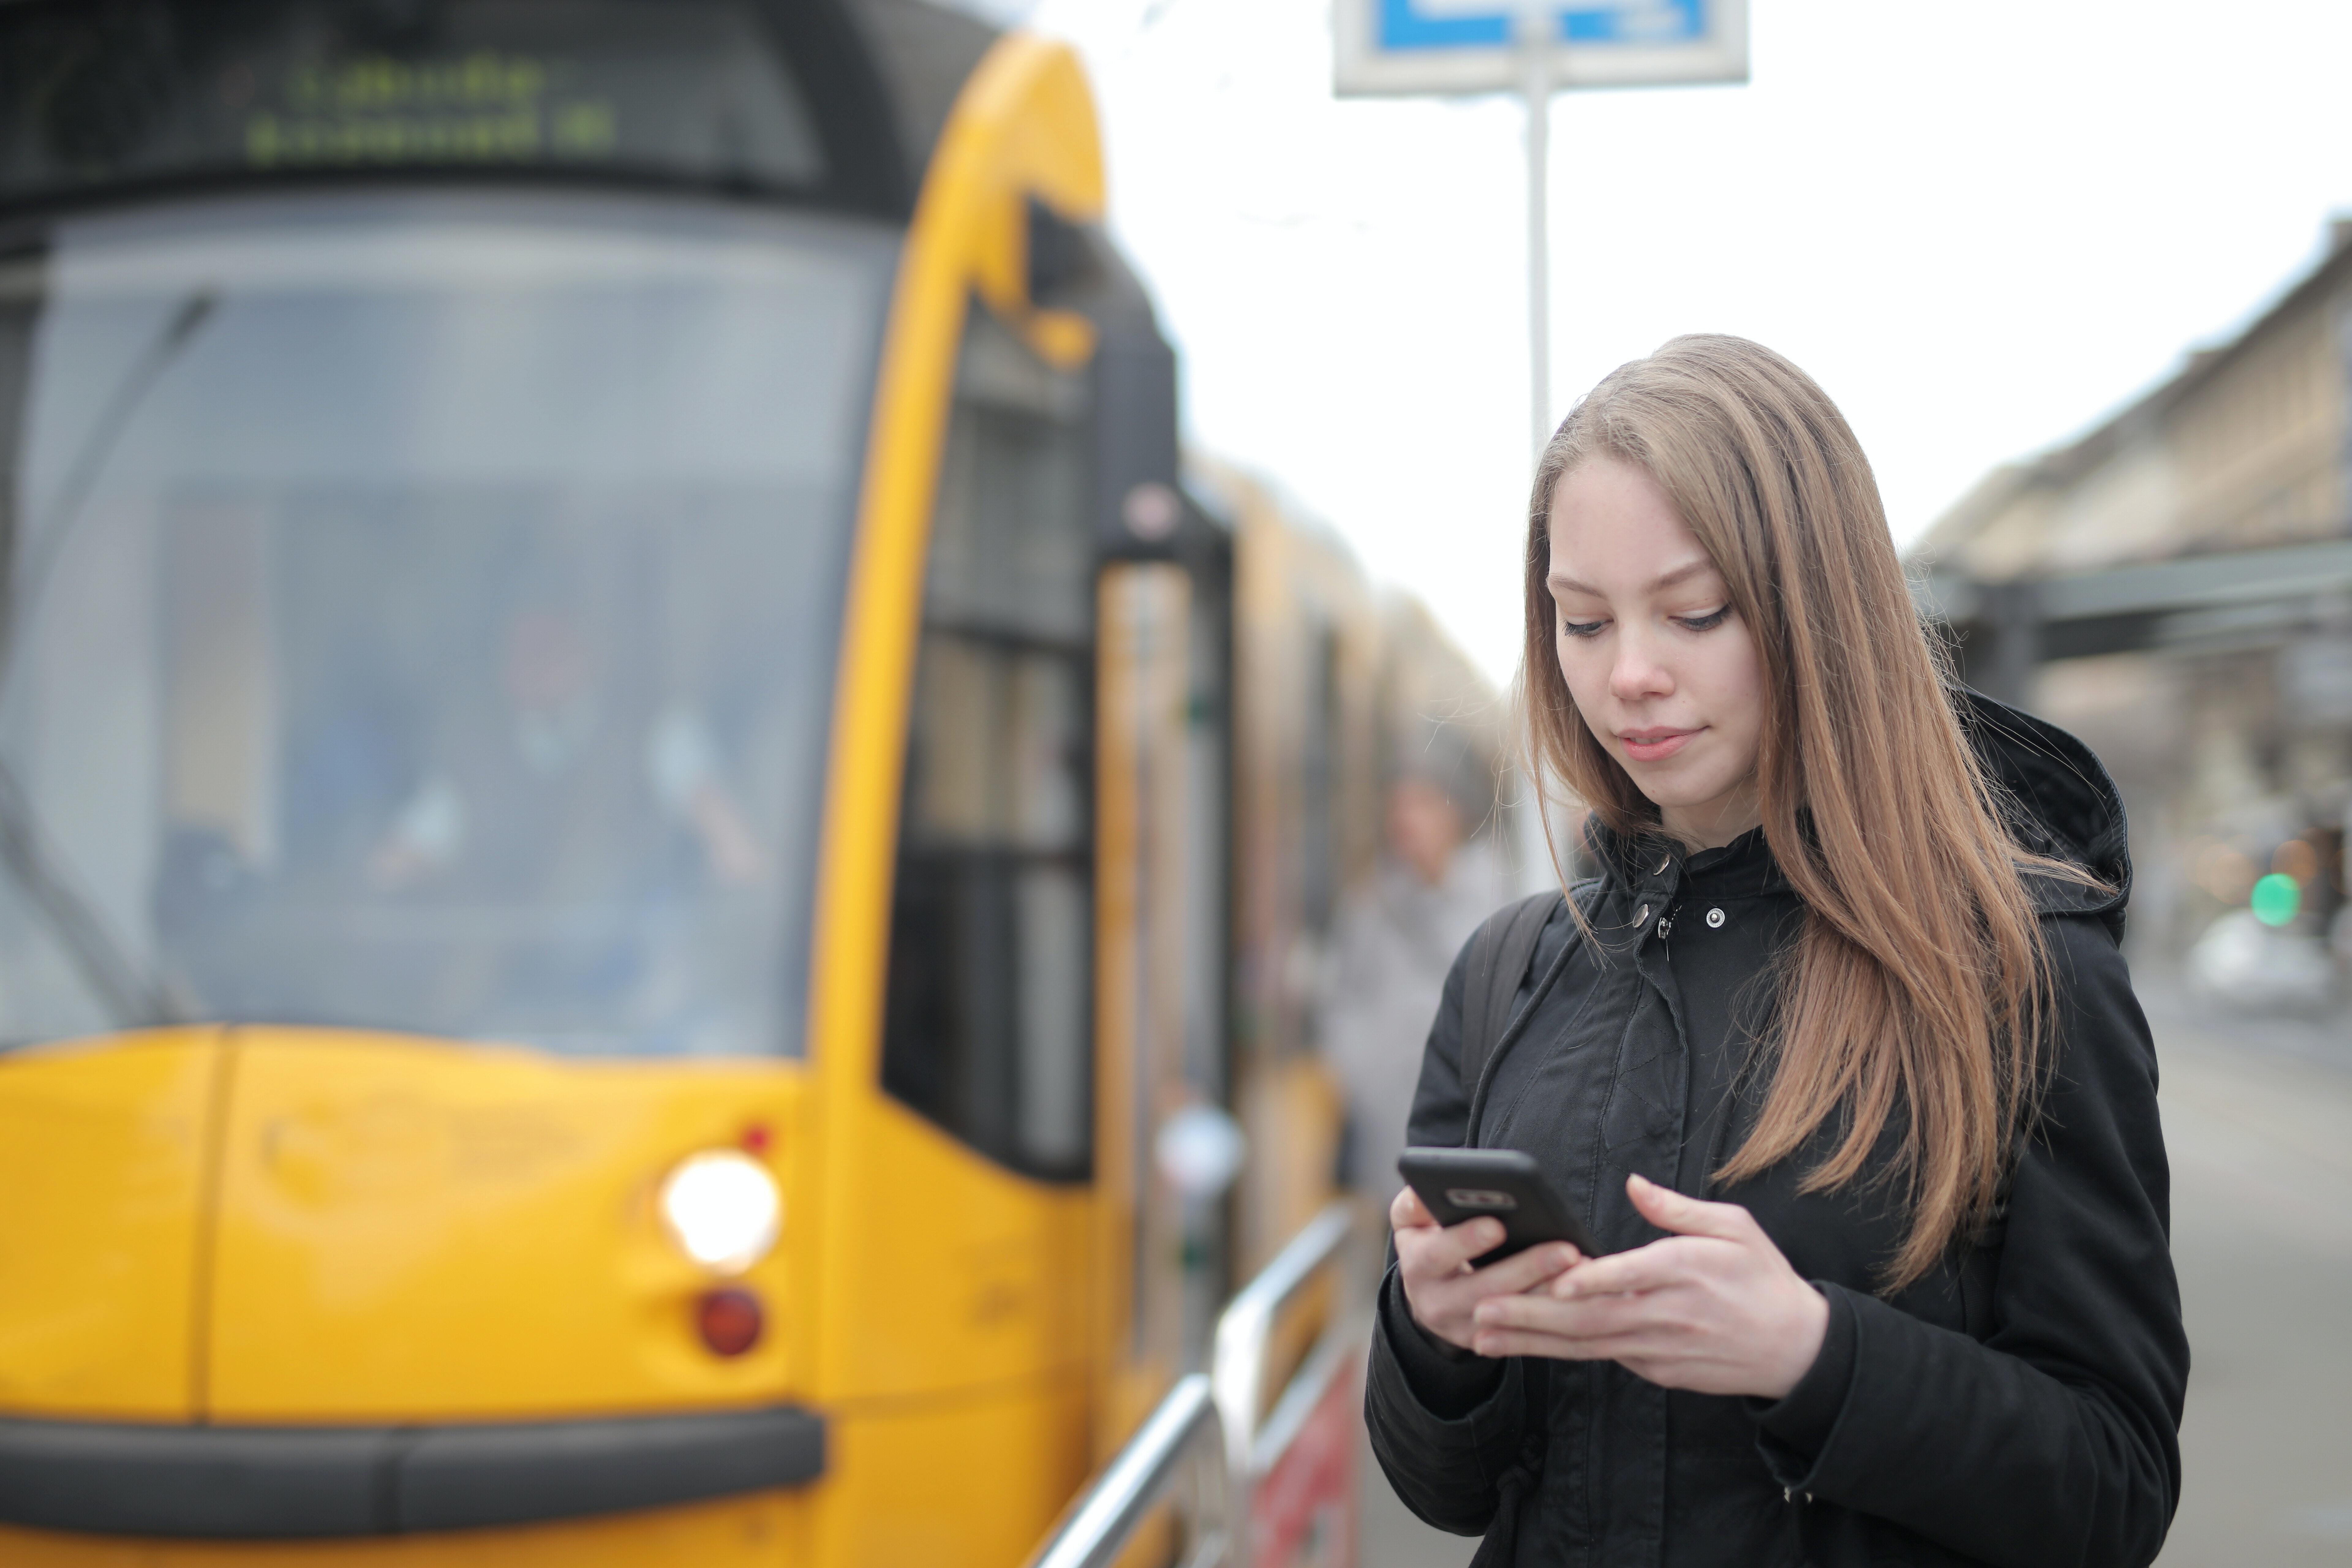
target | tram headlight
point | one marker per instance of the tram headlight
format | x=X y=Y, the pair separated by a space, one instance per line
x=722 y=1209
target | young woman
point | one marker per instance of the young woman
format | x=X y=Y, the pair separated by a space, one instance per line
x=1836 y=1056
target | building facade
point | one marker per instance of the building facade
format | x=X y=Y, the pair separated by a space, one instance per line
x=2176 y=586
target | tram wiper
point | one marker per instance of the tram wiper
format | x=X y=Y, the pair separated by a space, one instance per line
x=105 y=964
x=46 y=541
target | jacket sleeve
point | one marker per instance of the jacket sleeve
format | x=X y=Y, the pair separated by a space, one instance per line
x=1444 y=1424
x=2054 y=1441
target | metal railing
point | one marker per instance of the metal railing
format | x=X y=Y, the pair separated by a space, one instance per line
x=1218 y=1413
x=1099 y=1524
x=1237 y=1362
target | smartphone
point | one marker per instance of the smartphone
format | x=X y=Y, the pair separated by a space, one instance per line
x=1459 y=1184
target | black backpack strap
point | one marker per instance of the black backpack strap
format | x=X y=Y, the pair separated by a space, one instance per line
x=1499 y=955
x=1493 y=987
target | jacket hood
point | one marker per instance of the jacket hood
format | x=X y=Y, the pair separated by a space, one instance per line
x=2065 y=805
x=2062 y=804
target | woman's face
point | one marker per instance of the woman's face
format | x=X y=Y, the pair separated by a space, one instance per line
x=1663 y=669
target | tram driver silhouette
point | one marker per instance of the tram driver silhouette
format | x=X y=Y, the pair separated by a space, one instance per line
x=539 y=776
x=530 y=826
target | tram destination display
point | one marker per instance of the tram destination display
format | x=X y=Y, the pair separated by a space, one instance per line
x=693 y=92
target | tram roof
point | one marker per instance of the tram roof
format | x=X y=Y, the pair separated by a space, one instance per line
x=925 y=53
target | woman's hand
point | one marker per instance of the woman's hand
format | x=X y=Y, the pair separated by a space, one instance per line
x=1440 y=1285
x=1714 y=1308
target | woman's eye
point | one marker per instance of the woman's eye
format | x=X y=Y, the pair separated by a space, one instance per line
x=1580 y=628
x=1705 y=623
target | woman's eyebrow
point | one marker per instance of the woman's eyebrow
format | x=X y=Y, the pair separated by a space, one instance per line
x=1560 y=583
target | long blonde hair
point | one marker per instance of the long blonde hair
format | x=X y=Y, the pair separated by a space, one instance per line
x=1917 y=987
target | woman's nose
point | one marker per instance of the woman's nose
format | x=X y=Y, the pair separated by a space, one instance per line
x=1636 y=674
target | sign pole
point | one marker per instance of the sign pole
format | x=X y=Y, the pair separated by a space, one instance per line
x=1535 y=23
x=1408 y=47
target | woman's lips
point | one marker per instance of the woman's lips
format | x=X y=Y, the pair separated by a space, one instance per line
x=1653 y=745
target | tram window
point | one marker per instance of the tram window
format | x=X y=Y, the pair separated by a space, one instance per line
x=992 y=954
x=438 y=635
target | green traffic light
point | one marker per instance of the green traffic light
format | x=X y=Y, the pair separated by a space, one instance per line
x=2276 y=899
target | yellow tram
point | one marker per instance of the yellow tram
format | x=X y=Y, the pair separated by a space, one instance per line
x=617 y=792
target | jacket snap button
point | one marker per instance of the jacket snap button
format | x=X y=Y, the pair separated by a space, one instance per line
x=1715 y=919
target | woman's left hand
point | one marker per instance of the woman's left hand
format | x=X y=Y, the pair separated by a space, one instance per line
x=1714 y=1308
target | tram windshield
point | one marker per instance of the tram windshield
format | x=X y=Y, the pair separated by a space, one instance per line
x=422 y=613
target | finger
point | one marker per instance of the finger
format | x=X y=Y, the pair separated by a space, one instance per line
x=1656 y=1266
x=1434 y=1253
x=1406 y=1211
x=1601 y=1317
x=1586 y=1331
x=1670 y=1210
x=1525 y=1271
x=1476 y=1237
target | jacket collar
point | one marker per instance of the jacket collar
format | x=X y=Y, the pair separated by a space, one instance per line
x=2059 y=800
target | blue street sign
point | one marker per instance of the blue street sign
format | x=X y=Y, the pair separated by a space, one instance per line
x=1451 y=24
x=1470 y=46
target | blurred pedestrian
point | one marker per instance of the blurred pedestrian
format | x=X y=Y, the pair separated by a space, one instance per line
x=1836 y=1056
x=1391 y=948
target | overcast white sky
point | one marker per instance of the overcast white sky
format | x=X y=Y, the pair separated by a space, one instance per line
x=1980 y=226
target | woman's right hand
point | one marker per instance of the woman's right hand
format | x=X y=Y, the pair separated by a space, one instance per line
x=1434 y=1265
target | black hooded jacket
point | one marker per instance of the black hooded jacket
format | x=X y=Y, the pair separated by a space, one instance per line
x=2019 y=1406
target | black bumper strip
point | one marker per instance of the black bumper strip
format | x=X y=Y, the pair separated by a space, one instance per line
x=248 y=1483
